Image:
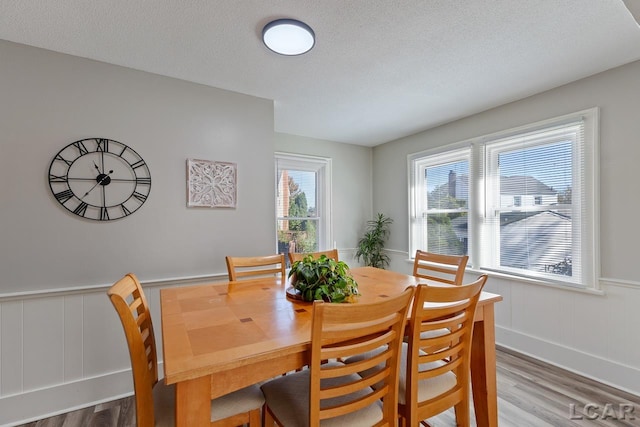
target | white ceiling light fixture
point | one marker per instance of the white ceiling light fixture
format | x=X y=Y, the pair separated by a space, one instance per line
x=288 y=37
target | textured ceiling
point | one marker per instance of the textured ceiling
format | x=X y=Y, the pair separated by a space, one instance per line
x=380 y=69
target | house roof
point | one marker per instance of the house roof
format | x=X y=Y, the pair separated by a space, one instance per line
x=539 y=246
x=521 y=185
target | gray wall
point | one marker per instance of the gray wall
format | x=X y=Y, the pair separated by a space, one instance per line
x=50 y=100
x=592 y=334
x=61 y=344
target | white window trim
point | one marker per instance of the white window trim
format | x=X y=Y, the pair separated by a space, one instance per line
x=417 y=165
x=590 y=268
x=312 y=164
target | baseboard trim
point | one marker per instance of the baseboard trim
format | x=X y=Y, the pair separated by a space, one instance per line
x=34 y=405
x=611 y=373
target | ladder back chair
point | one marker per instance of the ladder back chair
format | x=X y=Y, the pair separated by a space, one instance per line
x=155 y=401
x=241 y=268
x=333 y=393
x=441 y=268
x=298 y=256
x=436 y=375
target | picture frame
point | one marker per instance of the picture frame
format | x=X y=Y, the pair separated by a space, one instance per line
x=211 y=184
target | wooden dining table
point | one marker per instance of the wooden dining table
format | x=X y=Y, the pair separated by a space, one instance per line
x=216 y=341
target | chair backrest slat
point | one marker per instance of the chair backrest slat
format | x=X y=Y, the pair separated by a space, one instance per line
x=253 y=267
x=441 y=268
x=297 y=256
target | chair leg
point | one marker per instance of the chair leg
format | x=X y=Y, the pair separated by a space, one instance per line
x=267 y=418
x=255 y=418
x=463 y=418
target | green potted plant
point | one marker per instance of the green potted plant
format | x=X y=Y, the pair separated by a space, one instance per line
x=323 y=278
x=371 y=245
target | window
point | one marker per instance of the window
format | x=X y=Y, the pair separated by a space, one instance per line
x=303 y=210
x=440 y=219
x=521 y=202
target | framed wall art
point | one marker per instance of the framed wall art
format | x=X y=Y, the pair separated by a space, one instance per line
x=211 y=184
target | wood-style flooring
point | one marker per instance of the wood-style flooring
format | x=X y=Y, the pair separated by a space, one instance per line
x=530 y=394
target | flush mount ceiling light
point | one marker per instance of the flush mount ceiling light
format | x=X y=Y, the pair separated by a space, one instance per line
x=288 y=37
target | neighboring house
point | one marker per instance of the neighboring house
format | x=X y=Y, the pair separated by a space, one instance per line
x=520 y=191
x=458 y=188
x=282 y=198
x=539 y=227
x=540 y=250
x=515 y=191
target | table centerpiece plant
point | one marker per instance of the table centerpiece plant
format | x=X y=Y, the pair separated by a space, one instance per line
x=323 y=278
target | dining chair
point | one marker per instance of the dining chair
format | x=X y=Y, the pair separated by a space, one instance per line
x=441 y=268
x=256 y=266
x=435 y=371
x=298 y=256
x=155 y=401
x=332 y=393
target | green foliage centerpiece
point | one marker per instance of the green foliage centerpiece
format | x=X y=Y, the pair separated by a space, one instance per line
x=323 y=278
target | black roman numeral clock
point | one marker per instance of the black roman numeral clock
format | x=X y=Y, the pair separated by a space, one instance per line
x=99 y=179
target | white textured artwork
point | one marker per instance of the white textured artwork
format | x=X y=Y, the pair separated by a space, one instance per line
x=211 y=184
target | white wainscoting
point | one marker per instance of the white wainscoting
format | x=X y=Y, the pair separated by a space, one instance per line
x=592 y=335
x=64 y=350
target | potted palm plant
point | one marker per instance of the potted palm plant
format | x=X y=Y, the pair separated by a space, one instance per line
x=371 y=245
x=322 y=278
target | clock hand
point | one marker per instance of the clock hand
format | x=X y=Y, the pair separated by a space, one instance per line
x=97 y=167
x=97 y=183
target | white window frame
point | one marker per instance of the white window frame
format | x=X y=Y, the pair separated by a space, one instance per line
x=419 y=163
x=482 y=207
x=322 y=167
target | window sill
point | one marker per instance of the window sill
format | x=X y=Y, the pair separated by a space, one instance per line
x=530 y=281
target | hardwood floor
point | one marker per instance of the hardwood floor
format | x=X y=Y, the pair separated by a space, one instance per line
x=118 y=413
x=535 y=394
x=530 y=394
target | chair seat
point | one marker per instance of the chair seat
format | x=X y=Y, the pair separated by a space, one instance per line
x=243 y=400
x=368 y=355
x=431 y=334
x=427 y=388
x=288 y=399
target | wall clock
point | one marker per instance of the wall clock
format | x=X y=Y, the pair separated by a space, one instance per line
x=99 y=179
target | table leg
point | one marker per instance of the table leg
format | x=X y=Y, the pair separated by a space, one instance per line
x=193 y=402
x=483 y=368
